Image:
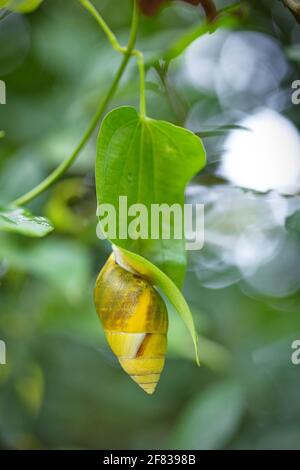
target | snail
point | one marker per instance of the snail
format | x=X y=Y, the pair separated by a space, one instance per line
x=135 y=321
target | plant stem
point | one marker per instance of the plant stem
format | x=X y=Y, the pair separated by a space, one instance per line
x=141 y=63
x=210 y=9
x=65 y=165
x=109 y=34
x=117 y=46
x=294 y=7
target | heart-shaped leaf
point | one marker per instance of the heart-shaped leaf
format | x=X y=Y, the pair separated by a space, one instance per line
x=20 y=220
x=150 y=162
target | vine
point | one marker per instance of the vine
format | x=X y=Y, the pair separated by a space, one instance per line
x=227 y=17
x=127 y=52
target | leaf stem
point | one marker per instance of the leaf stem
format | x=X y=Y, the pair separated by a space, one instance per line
x=106 y=29
x=141 y=63
x=123 y=50
x=65 y=165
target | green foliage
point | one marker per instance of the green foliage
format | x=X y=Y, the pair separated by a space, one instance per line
x=220 y=131
x=63 y=264
x=21 y=6
x=150 y=162
x=61 y=387
x=19 y=220
x=30 y=388
x=230 y=18
x=212 y=418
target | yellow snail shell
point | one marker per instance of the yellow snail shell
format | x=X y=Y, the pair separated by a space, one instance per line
x=135 y=322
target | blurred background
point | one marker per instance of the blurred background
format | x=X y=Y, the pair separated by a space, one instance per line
x=61 y=386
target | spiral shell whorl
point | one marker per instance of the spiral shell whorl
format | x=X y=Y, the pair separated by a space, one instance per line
x=135 y=321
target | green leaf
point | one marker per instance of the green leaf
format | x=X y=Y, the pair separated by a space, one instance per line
x=20 y=220
x=228 y=18
x=150 y=162
x=2 y=134
x=21 y=6
x=136 y=263
x=221 y=130
x=213 y=355
x=63 y=264
x=212 y=418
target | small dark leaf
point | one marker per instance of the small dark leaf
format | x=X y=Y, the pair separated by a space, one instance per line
x=220 y=131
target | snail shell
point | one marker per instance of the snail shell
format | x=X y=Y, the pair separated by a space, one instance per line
x=135 y=322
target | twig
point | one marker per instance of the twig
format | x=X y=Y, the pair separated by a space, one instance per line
x=210 y=9
x=294 y=7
